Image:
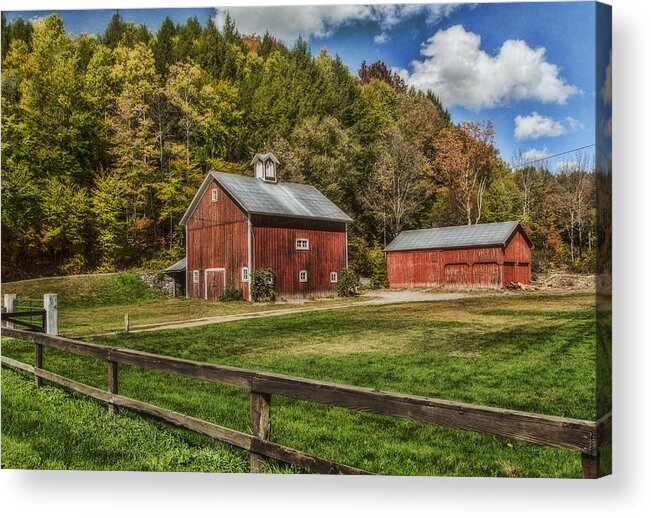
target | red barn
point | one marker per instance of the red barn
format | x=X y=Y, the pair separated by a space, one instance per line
x=237 y=224
x=486 y=255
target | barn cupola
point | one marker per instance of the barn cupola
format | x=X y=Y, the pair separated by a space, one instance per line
x=265 y=167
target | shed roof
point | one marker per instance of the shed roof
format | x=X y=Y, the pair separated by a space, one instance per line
x=177 y=267
x=271 y=199
x=484 y=234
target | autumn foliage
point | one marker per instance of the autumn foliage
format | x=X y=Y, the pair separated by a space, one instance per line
x=105 y=140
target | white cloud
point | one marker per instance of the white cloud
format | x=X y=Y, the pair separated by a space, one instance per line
x=460 y=73
x=535 y=126
x=381 y=38
x=573 y=124
x=607 y=88
x=389 y=15
x=287 y=22
x=533 y=154
x=404 y=74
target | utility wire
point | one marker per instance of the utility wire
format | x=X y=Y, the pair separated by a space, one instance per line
x=552 y=156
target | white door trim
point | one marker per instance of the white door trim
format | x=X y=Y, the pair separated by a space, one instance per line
x=205 y=279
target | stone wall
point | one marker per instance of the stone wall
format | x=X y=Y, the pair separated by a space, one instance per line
x=159 y=282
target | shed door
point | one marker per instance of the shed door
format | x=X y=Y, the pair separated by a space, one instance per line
x=215 y=282
x=457 y=274
x=486 y=275
x=523 y=272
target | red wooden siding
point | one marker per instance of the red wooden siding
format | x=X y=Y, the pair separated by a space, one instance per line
x=517 y=249
x=274 y=246
x=217 y=237
x=432 y=268
x=493 y=266
x=413 y=268
x=517 y=260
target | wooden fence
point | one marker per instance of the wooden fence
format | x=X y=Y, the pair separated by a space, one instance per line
x=20 y=311
x=584 y=437
x=17 y=318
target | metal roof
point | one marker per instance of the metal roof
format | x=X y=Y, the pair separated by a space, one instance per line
x=484 y=234
x=177 y=267
x=271 y=199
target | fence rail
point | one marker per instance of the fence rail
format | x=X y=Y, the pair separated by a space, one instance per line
x=17 y=318
x=581 y=436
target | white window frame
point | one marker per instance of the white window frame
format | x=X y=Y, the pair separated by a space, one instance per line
x=214 y=195
x=333 y=277
x=269 y=170
x=195 y=276
x=245 y=274
x=300 y=246
x=302 y=276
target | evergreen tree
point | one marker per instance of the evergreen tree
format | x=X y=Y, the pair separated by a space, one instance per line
x=187 y=39
x=164 y=46
x=114 y=31
x=210 y=49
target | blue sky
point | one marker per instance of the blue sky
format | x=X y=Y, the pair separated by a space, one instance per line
x=530 y=67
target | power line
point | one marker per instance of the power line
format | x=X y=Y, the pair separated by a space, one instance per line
x=552 y=156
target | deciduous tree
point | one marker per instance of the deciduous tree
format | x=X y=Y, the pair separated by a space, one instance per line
x=464 y=161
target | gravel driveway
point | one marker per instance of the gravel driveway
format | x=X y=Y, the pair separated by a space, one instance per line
x=380 y=297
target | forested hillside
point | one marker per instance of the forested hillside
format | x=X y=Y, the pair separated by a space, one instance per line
x=106 y=138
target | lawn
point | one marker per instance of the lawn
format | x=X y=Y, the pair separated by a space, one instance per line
x=528 y=352
x=96 y=304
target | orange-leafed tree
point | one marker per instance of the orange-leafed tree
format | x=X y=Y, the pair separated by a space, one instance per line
x=463 y=162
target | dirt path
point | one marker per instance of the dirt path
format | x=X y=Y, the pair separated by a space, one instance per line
x=379 y=298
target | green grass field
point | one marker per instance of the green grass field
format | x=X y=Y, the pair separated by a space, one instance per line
x=96 y=304
x=528 y=352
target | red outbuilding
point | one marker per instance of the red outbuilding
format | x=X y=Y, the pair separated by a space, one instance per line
x=486 y=255
x=237 y=224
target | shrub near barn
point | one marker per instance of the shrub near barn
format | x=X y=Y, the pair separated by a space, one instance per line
x=262 y=285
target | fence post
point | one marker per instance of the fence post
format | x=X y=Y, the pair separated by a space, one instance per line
x=260 y=427
x=10 y=307
x=38 y=364
x=126 y=322
x=590 y=465
x=50 y=305
x=112 y=384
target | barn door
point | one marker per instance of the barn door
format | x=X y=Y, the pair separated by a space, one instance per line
x=523 y=272
x=486 y=275
x=215 y=282
x=509 y=274
x=457 y=274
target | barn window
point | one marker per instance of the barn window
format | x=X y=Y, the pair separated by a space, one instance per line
x=333 y=277
x=195 y=276
x=245 y=274
x=214 y=193
x=302 y=244
x=302 y=276
x=270 y=170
